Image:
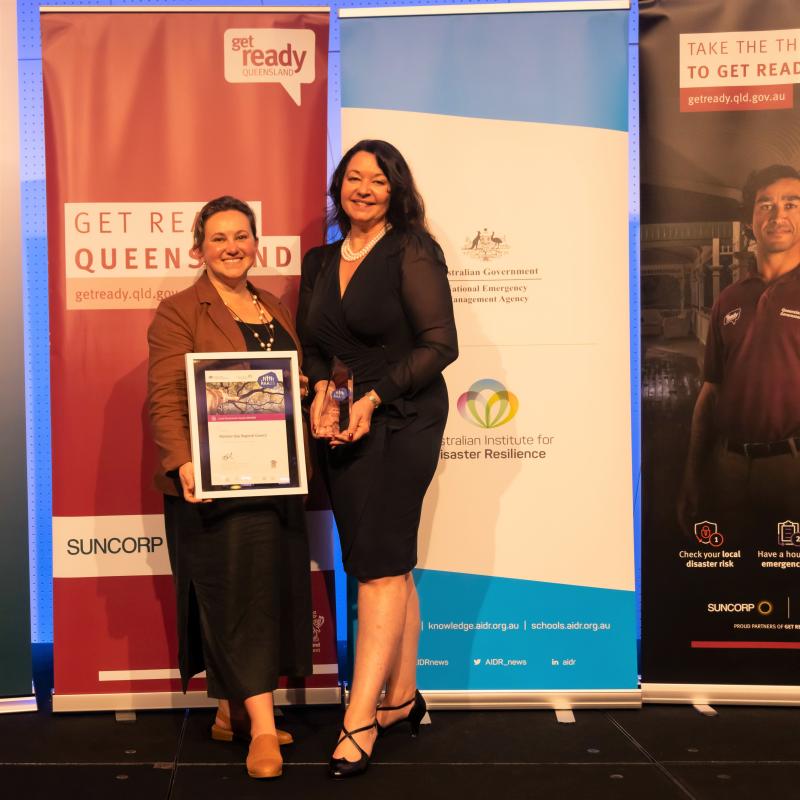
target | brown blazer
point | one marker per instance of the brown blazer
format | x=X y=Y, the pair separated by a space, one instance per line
x=192 y=321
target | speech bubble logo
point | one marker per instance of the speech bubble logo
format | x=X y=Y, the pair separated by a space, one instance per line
x=271 y=55
x=269 y=380
x=488 y=404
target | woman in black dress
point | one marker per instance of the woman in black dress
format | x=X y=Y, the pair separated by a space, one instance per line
x=380 y=302
x=241 y=566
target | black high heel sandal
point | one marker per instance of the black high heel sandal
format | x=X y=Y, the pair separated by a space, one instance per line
x=341 y=767
x=414 y=717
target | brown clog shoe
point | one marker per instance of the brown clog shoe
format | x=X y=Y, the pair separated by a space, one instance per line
x=264 y=757
x=223 y=731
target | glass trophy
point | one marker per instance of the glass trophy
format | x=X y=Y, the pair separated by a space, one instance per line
x=335 y=414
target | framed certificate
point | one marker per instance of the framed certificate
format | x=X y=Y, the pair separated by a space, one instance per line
x=246 y=424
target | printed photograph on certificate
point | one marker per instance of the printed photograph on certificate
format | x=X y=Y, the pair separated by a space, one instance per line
x=246 y=426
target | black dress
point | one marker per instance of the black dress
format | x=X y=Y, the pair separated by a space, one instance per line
x=241 y=567
x=394 y=328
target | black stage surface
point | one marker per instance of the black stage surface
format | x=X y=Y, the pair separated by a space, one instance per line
x=661 y=752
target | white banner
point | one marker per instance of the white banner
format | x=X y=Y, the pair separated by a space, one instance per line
x=526 y=549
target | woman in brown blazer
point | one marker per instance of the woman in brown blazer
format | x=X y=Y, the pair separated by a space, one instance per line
x=241 y=566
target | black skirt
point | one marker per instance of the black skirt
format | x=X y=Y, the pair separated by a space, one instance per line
x=243 y=585
x=378 y=483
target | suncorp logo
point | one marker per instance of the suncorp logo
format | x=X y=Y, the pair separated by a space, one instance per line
x=488 y=404
x=763 y=607
x=114 y=545
x=270 y=55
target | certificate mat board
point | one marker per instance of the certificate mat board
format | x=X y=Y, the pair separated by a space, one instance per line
x=526 y=571
x=720 y=92
x=122 y=85
x=246 y=424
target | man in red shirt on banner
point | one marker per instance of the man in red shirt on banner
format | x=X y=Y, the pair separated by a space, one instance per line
x=743 y=466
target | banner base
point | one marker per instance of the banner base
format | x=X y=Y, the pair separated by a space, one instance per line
x=142 y=701
x=720 y=694
x=553 y=700
x=16 y=705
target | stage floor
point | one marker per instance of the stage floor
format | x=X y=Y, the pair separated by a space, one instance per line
x=661 y=752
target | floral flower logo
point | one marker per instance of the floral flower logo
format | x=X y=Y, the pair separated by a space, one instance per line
x=488 y=404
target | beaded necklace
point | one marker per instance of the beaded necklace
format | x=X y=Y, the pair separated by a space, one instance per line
x=348 y=254
x=264 y=321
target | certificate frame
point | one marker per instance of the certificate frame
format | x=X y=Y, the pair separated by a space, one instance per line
x=240 y=403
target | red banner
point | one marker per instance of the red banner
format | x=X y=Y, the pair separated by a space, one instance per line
x=147 y=116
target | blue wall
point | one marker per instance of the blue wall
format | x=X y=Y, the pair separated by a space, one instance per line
x=34 y=221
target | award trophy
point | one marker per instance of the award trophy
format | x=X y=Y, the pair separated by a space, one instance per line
x=335 y=414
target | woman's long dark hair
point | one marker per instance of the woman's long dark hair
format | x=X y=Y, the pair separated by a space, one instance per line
x=406 y=210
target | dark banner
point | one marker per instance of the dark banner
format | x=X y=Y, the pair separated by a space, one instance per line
x=721 y=345
x=15 y=629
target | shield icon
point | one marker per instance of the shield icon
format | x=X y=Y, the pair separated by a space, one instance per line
x=706 y=533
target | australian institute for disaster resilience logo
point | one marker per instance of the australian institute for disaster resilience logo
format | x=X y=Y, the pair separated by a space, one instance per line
x=485 y=246
x=271 y=55
x=488 y=404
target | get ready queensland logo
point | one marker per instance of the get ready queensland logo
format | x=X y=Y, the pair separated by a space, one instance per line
x=488 y=404
x=270 y=55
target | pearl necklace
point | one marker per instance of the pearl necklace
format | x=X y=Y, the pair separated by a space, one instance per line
x=348 y=254
x=264 y=321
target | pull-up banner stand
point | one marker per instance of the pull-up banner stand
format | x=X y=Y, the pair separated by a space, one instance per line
x=721 y=404
x=515 y=127
x=15 y=613
x=149 y=113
